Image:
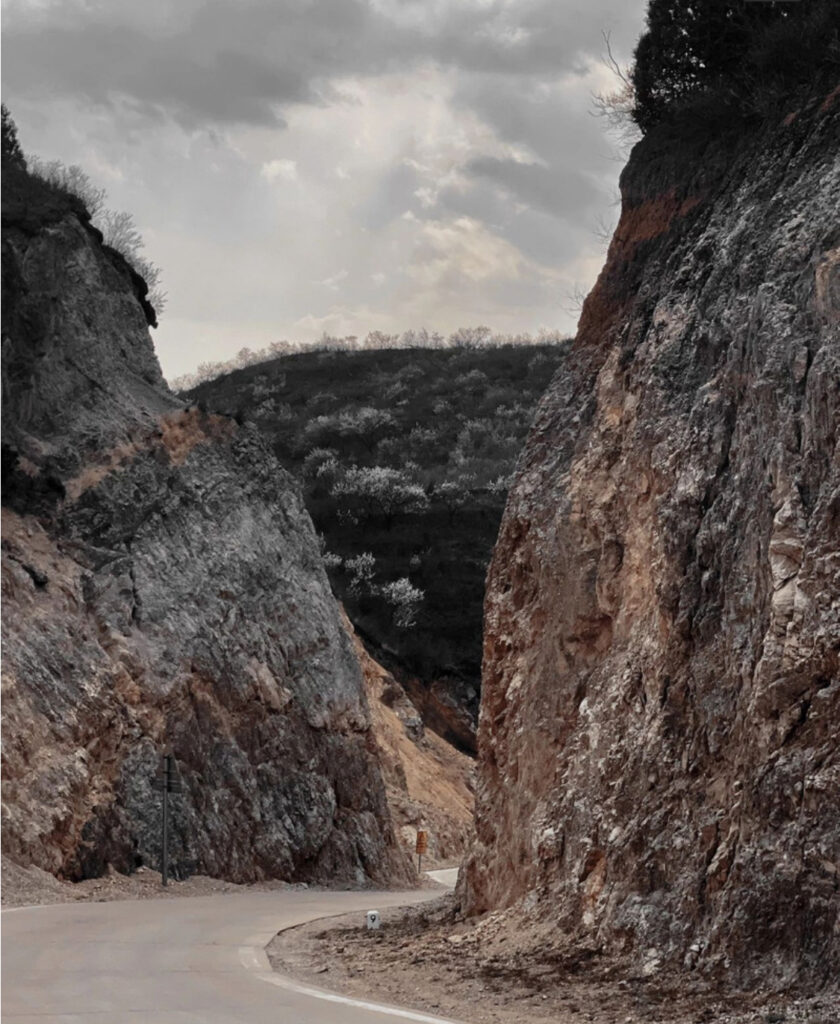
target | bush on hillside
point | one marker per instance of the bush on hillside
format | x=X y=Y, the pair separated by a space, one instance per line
x=405 y=601
x=362 y=570
x=121 y=233
x=315 y=461
x=70 y=179
x=381 y=491
x=364 y=426
x=453 y=494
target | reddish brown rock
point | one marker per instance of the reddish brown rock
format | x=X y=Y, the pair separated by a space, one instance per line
x=659 y=772
x=428 y=782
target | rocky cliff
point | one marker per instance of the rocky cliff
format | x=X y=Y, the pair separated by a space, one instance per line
x=428 y=782
x=659 y=766
x=162 y=591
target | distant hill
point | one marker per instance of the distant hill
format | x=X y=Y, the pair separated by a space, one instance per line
x=405 y=458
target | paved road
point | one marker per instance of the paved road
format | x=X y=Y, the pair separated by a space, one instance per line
x=193 y=960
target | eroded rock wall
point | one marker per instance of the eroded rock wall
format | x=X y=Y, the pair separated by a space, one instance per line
x=162 y=590
x=428 y=782
x=659 y=772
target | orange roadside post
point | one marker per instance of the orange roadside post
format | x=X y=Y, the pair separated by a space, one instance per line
x=422 y=846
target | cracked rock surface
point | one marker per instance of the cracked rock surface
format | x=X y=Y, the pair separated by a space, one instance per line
x=659 y=773
x=162 y=590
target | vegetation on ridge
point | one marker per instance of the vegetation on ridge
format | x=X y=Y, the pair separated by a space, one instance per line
x=32 y=175
x=463 y=337
x=405 y=458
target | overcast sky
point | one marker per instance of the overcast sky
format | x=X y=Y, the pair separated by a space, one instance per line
x=298 y=166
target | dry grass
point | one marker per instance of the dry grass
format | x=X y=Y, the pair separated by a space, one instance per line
x=92 y=475
x=183 y=431
x=178 y=433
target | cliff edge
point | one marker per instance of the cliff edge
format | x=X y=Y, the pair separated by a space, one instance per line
x=162 y=591
x=659 y=772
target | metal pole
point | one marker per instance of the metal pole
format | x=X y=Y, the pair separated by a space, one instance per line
x=164 y=871
x=419 y=863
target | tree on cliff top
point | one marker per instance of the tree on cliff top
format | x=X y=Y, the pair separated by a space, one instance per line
x=729 y=50
x=12 y=153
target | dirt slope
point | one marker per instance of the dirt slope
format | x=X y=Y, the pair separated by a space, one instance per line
x=428 y=783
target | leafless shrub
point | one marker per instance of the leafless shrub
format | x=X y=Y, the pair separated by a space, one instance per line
x=616 y=106
x=70 y=179
x=118 y=228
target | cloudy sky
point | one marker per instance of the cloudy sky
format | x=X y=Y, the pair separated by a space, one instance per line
x=297 y=166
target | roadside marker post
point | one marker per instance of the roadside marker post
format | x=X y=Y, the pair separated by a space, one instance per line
x=422 y=846
x=167 y=782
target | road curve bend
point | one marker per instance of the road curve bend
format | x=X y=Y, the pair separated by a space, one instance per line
x=193 y=960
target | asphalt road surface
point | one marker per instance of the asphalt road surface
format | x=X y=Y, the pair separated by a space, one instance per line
x=194 y=960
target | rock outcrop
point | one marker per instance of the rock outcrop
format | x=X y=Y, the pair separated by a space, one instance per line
x=429 y=784
x=659 y=765
x=162 y=591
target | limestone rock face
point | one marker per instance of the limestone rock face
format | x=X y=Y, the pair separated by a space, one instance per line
x=162 y=590
x=659 y=764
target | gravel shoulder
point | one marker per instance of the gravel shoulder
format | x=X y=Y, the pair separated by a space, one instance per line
x=478 y=972
x=31 y=886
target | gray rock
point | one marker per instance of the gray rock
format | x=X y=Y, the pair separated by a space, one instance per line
x=163 y=590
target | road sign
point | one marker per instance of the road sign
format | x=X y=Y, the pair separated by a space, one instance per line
x=168 y=779
x=171 y=787
x=421 y=847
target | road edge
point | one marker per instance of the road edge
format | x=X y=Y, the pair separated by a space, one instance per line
x=254 y=959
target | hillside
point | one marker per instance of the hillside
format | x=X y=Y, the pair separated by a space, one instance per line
x=404 y=457
x=162 y=592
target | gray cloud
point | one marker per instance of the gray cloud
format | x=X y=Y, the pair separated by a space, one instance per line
x=554 y=190
x=393 y=196
x=229 y=62
x=343 y=164
x=157 y=76
x=541 y=238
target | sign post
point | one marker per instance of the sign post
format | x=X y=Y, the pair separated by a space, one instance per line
x=164 y=860
x=422 y=846
x=167 y=782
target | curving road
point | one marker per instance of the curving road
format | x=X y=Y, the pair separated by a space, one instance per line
x=194 y=960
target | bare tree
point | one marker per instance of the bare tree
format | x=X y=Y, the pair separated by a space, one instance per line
x=616 y=107
x=70 y=179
